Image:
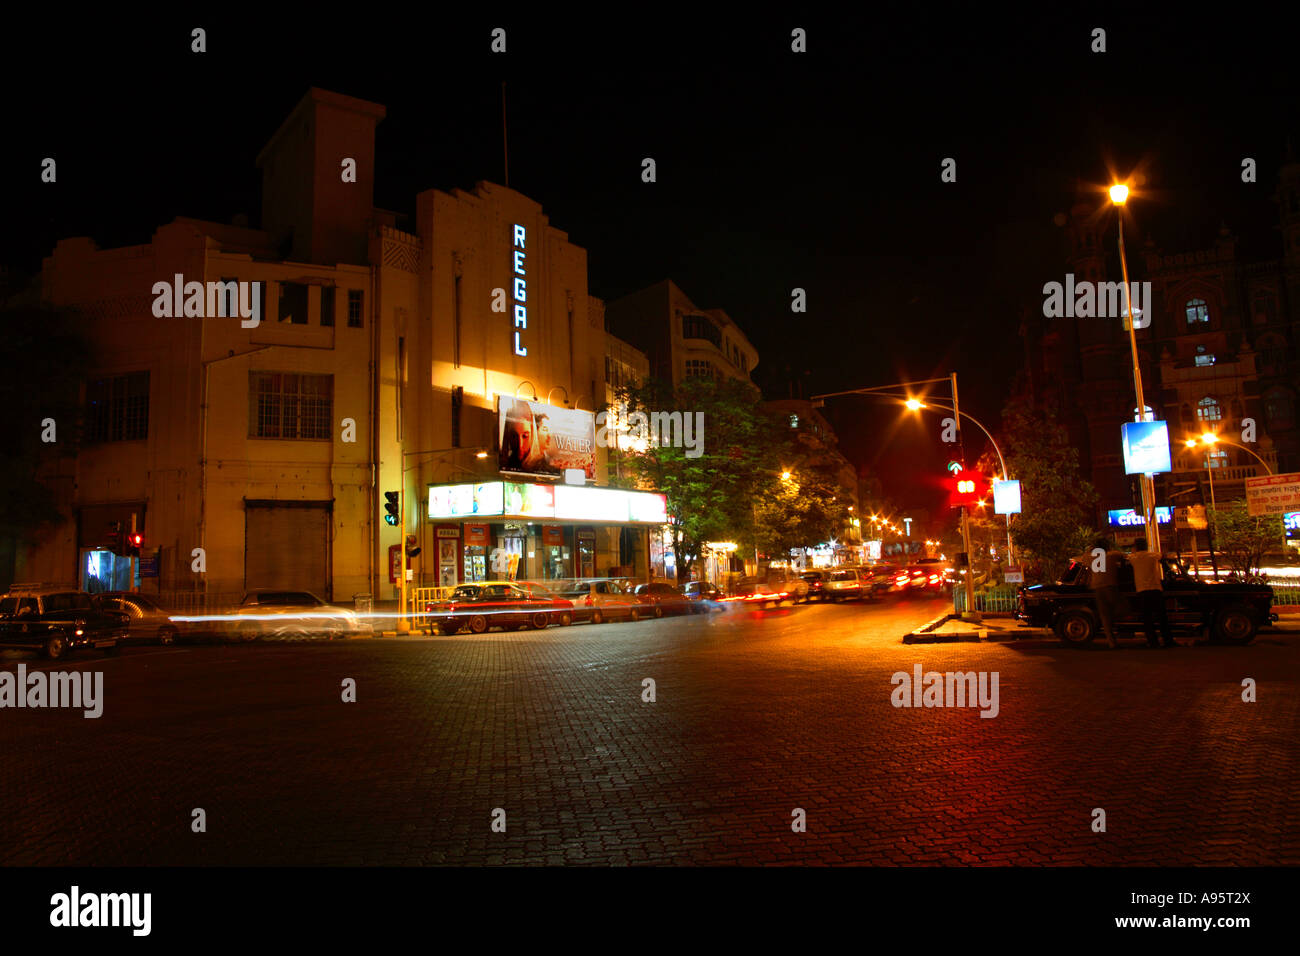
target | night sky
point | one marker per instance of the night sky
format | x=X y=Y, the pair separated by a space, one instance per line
x=775 y=170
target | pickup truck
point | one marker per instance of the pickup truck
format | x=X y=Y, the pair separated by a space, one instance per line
x=1232 y=612
x=56 y=620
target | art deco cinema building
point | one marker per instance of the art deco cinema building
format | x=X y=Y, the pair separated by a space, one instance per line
x=460 y=363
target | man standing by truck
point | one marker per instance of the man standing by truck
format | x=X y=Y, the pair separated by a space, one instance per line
x=1104 y=581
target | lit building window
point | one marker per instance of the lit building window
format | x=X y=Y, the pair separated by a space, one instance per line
x=1203 y=357
x=1218 y=458
x=794 y=421
x=1209 y=410
x=289 y=405
x=1197 y=312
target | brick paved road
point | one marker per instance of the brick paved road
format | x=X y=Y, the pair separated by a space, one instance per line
x=756 y=714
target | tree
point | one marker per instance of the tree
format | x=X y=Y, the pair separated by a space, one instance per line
x=1244 y=538
x=803 y=511
x=1057 y=503
x=710 y=487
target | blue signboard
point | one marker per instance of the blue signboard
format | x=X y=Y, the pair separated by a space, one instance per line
x=1146 y=448
x=1006 y=497
x=1129 y=518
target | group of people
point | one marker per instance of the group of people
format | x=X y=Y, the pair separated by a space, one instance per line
x=1148 y=580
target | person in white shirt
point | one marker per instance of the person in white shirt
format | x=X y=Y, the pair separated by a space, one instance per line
x=1148 y=579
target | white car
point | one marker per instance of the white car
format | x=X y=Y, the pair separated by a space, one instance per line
x=843 y=584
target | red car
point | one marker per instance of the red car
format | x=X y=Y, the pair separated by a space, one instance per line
x=500 y=604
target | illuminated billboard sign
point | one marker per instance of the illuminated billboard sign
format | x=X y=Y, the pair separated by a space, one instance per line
x=1146 y=448
x=521 y=290
x=1006 y=497
x=1129 y=518
x=466 y=501
x=534 y=438
x=516 y=499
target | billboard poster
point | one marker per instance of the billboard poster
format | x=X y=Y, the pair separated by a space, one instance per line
x=1146 y=448
x=1273 y=494
x=1006 y=497
x=534 y=438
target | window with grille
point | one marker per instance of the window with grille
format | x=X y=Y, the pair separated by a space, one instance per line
x=697 y=368
x=290 y=405
x=1209 y=410
x=1197 y=311
x=117 y=408
x=354 y=309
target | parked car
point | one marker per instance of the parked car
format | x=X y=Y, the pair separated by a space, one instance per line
x=703 y=595
x=273 y=613
x=663 y=599
x=1232 y=612
x=816 y=581
x=57 y=620
x=599 y=601
x=846 y=584
x=502 y=604
x=149 y=621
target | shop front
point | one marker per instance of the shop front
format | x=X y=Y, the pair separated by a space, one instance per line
x=530 y=531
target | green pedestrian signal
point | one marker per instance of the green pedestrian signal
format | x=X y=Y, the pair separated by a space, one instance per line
x=393 y=507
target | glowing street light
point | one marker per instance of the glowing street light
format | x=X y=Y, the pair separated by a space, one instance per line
x=1119 y=194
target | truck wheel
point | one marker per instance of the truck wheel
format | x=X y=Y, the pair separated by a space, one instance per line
x=597 y=617
x=659 y=611
x=478 y=624
x=1076 y=626
x=56 y=647
x=636 y=615
x=540 y=621
x=566 y=619
x=1235 y=625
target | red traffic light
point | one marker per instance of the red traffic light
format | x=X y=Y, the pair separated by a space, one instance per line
x=135 y=539
x=966 y=487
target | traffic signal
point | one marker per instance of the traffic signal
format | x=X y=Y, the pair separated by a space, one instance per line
x=133 y=541
x=966 y=487
x=411 y=549
x=393 y=507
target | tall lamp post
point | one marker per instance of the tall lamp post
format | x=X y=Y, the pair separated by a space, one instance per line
x=1118 y=197
x=1210 y=439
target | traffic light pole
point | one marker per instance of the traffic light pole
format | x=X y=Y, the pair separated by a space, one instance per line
x=132 y=549
x=403 y=626
x=971 y=613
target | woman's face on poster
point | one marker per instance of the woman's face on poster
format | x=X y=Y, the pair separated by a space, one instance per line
x=524 y=433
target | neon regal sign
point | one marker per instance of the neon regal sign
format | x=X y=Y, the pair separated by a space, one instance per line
x=521 y=291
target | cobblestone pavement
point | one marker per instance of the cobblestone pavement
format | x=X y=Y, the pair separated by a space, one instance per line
x=756 y=714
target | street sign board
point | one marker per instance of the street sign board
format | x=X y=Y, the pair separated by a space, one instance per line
x=149 y=562
x=1014 y=574
x=1190 y=518
x=1006 y=497
x=1273 y=494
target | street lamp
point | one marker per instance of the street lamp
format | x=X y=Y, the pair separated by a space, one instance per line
x=1118 y=197
x=1211 y=440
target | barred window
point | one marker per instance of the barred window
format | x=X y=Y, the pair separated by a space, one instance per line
x=290 y=405
x=698 y=368
x=117 y=408
x=1197 y=311
x=1209 y=410
x=354 y=308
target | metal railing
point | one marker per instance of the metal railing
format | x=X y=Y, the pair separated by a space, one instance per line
x=422 y=598
x=992 y=599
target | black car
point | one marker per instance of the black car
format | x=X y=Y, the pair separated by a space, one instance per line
x=56 y=620
x=1232 y=612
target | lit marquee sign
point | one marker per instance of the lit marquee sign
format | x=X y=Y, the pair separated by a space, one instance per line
x=512 y=499
x=521 y=291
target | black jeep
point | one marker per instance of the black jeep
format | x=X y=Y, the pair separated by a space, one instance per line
x=1232 y=612
x=56 y=620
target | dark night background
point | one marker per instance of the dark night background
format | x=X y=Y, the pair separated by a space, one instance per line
x=775 y=170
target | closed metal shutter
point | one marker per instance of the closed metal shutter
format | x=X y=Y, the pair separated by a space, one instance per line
x=286 y=545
